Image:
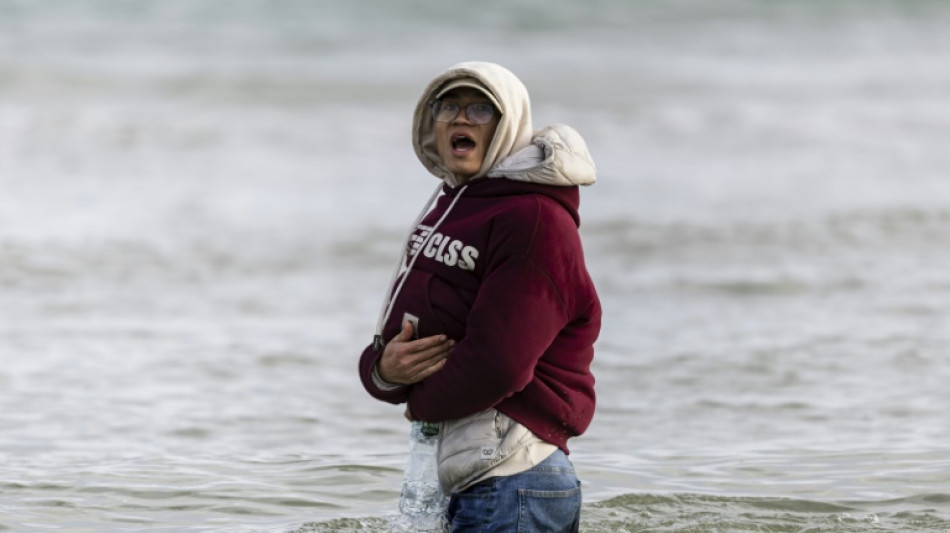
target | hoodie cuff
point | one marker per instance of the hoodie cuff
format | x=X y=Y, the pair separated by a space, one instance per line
x=382 y=385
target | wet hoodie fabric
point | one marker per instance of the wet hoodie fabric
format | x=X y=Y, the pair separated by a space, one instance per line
x=496 y=263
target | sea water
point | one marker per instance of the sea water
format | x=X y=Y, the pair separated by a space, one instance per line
x=201 y=200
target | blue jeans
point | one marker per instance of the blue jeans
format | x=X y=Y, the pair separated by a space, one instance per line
x=545 y=499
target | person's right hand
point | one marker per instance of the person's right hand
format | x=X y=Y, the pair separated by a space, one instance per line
x=406 y=361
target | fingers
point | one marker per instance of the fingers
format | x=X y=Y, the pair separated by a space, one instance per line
x=425 y=359
x=433 y=341
x=432 y=369
x=406 y=363
x=405 y=333
x=430 y=351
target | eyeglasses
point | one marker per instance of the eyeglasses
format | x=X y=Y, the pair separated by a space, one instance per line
x=478 y=113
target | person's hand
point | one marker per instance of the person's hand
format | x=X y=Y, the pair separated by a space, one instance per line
x=406 y=361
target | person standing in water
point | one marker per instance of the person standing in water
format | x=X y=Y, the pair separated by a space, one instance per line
x=491 y=318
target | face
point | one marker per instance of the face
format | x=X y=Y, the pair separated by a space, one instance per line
x=460 y=143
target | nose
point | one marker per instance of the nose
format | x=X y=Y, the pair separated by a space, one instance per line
x=462 y=116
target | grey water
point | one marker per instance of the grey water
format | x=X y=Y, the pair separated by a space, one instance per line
x=201 y=201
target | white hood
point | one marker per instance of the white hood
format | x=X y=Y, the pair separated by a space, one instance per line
x=556 y=155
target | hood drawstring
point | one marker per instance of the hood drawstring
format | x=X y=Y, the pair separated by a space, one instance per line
x=387 y=307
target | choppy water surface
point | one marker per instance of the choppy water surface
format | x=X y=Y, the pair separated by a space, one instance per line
x=200 y=203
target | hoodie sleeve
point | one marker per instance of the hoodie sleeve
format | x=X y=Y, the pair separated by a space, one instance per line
x=518 y=312
x=368 y=376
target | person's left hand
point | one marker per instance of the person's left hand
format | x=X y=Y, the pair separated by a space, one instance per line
x=405 y=361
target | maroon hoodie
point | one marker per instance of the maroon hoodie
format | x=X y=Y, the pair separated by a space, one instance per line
x=504 y=275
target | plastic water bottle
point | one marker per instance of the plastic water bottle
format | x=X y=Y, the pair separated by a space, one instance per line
x=423 y=503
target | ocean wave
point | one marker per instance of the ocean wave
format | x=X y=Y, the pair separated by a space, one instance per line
x=706 y=513
x=838 y=252
x=859 y=228
x=697 y=513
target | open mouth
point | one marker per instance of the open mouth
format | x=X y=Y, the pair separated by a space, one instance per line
x=462 y=143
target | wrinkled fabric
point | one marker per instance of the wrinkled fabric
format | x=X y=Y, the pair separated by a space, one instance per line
x=486 y=444
x=497 y=265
